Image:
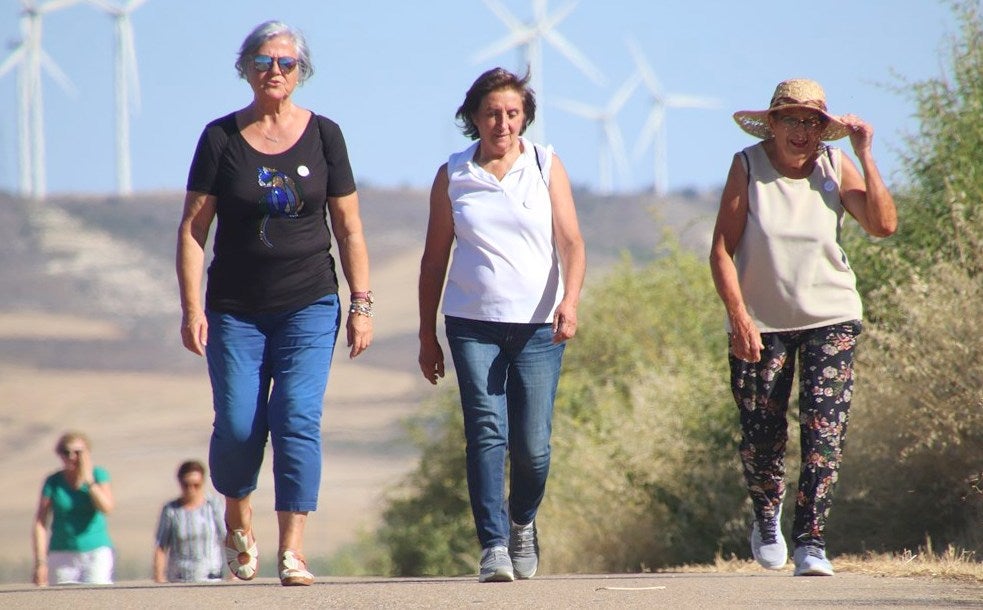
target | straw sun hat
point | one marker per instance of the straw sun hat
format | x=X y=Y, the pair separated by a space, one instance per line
x=794 y=93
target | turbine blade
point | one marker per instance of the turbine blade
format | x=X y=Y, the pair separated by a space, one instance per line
x=503 y=14
x=134 y=5
x=648 y=75
x=574 y=56
x=624 y=93
x=57 y=74
x=652 y=125
x=55 y=5
x=105 y=5
x=513 y=40
x=691 y=101
x=13 y=59
x=579 y=108
x=547 y=22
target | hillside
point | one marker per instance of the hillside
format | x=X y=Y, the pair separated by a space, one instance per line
x=88 y=340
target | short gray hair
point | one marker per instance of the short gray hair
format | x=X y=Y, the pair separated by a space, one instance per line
x=271 y=29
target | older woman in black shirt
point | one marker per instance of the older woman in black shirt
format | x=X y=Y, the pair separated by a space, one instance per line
x=277 y=178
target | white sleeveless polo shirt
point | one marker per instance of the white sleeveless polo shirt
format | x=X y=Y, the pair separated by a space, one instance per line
x=504 y=266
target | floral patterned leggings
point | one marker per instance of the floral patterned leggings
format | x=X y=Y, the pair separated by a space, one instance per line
x=762 y=390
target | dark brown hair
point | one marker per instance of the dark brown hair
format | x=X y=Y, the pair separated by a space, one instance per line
x=188 y=467
x=494 y=80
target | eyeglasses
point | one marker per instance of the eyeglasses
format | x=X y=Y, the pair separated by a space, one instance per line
x=810 y=124
x=264 y=63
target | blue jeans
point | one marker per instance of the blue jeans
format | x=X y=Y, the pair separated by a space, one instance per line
x=507 y=374
x=269 y=372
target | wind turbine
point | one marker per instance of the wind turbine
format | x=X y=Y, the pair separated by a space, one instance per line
x=529 y=38
x=31 y=58
x=127 y=85
x=654 y=132
x=611 y=150
x=19 y=57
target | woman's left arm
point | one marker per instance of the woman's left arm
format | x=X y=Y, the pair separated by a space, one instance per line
x=346 y=223
x=570 y=246
x=866 y=196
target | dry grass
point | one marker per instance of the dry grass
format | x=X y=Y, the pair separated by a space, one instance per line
x=952 y=564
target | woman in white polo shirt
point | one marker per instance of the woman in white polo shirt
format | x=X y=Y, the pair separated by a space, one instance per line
x=510 y=304
x=790 y=293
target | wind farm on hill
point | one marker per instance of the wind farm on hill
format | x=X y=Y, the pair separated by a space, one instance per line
x=531 y=39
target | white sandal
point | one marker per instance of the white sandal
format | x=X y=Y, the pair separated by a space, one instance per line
x=293 y=570
x=242 y=559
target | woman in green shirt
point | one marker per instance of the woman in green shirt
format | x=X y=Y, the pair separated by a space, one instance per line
x=76 y=499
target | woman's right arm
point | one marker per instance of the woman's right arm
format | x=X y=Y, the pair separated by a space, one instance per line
x=727 y=232
x=39 y=540
x=160 y=565
x=199 y=211
x=162 y=540
x=433 y=270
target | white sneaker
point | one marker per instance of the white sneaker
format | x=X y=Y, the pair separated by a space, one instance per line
x=767 y=543
x=496 y=566
x=811 y=561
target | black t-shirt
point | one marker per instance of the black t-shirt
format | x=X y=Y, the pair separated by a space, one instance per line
x=272 y=241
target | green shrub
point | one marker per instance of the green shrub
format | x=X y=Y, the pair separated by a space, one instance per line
x=915 y=450
x=645 y=463
x=916 y=439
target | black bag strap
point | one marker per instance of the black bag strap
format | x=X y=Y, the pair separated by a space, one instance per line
x=535 y=149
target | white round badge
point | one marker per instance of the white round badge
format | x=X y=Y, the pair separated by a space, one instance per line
x=303 y=172
x=828 y=186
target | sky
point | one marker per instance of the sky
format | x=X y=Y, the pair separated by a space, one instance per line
x=392 y=73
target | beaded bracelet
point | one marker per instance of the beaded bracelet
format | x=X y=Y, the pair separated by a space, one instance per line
x=361 y=307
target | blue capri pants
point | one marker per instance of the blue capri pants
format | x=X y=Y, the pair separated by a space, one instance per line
x=268 y=373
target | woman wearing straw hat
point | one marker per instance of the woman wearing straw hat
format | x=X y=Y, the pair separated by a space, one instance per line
x=790 y=293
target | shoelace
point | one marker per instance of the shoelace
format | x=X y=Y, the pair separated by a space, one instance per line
x=496 y=555
x=524 y=541
x=768 y=528
x=815 y=551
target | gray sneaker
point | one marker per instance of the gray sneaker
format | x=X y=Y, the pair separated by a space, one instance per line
x=495 y=565
x=811 y=561
x=524 y=549
x=767 y=543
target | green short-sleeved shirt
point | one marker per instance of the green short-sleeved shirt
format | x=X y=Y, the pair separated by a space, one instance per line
x=76 y=525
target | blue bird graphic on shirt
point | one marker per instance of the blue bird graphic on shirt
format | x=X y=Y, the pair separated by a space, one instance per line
x=280 y=200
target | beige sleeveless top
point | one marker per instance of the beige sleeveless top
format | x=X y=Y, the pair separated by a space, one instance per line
x=793 y=273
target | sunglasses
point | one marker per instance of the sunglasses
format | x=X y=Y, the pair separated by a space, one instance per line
x=264 y=63
x=70 y=452
x=811 y=124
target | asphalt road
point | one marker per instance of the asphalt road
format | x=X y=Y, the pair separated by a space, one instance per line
x=664 y=590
